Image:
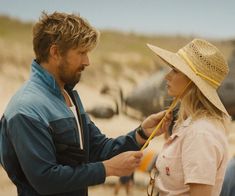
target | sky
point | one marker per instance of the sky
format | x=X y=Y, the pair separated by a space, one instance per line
x=204 y=18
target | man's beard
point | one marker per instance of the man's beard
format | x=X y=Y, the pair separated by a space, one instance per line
x=70 y=79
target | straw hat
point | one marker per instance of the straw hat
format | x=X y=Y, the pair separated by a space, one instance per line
x=203 y=63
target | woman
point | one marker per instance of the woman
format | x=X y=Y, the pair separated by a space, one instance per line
x=193 y=160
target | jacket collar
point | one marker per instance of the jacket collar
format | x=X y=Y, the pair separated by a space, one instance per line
x=42 y=76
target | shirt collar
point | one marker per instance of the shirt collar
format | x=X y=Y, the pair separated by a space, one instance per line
x=180 y=130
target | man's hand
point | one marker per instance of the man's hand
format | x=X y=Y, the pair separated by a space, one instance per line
x=150 y=123
x=123 y=164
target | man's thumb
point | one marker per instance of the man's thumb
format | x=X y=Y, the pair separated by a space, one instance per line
x=138 y=154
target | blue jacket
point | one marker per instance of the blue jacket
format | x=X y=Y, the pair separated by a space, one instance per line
x=27 y=147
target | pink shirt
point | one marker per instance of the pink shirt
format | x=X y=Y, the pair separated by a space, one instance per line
x=196 y=152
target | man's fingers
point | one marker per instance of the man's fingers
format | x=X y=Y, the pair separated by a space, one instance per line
x=138 y=154
x=168 y=118
x=138 y=162
x=159 y=115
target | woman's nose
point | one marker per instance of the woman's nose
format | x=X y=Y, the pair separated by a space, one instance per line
x=167 y=76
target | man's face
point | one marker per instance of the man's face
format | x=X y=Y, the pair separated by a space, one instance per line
x=71 y=66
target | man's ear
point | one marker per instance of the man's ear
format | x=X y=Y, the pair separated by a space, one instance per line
x=54 y=52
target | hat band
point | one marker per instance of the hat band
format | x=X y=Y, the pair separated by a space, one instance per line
x=183 y=55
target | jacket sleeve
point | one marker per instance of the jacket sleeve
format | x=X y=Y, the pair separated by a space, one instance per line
x=102 y=148
x=35 y=151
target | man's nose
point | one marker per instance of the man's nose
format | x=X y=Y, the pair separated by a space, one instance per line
x=86 y=60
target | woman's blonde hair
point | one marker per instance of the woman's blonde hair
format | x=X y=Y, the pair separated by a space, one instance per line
x=196 y=105
x=66 y=31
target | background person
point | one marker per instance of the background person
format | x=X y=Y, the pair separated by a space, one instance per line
x=228 y=188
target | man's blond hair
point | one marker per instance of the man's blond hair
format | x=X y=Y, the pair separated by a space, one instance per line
x=64 y=30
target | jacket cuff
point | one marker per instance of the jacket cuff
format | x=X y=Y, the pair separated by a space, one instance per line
x=133 y=136
x=99 y=174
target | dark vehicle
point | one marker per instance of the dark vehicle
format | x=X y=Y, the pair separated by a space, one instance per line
x=150 y=96
x=147 y=98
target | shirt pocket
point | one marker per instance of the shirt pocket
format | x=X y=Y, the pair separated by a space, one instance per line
x=64 y=131
x=171 y=171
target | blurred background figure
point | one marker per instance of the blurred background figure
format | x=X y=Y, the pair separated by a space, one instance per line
x=228 y=188
x=125 y=182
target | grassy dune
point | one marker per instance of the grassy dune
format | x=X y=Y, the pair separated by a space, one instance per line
x=14 y=30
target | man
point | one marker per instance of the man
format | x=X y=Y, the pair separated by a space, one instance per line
x=48 y=144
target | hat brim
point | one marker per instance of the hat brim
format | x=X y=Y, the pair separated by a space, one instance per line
x=176 y=61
